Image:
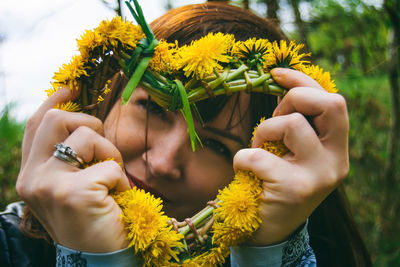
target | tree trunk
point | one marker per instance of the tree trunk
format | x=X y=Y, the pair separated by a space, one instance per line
x=391 y=204
x=299 y=23
x=169 y=5
x=272 y=9
x=362 y=51
x=246 y=4
x=117 y=9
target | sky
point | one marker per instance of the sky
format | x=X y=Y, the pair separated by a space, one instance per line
x=37 y=37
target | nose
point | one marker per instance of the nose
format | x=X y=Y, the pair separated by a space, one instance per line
x=167 y=152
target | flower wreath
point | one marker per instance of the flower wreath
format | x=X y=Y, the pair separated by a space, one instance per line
x=176 y=77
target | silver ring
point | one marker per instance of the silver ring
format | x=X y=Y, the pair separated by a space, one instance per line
x=67 y=154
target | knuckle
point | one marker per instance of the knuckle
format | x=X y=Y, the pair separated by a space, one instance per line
x=22 y=189
x=244 y=156
x=338 y=171
x=113 y=167
x=85 y=131
x=241 y=154
x=293 y=91
x=52 y=116
x=61 y=194
x=337 y=103
x=301 y=192
x=97 y=125
x=296 y=121
x=344 y=171
x=255 y=154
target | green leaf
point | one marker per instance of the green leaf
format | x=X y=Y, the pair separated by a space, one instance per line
x=187 y=114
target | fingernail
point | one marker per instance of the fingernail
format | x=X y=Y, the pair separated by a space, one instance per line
x=277 y=72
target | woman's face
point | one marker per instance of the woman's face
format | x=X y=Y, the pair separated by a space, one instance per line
x=185 y=180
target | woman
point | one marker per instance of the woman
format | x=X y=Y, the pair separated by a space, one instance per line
x=151 y=150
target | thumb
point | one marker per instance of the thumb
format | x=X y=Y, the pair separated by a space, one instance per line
x=290 y=78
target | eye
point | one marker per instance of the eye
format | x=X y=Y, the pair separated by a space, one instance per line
x=152 y=106
x=217 y=147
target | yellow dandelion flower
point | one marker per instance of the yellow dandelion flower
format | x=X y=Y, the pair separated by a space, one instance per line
x=107 y=89
x=131 y=35
x=248 y=180
x=238 y=207
x=163 y=248
x=275 y=147
x=322 y=77
x=202 y=56
x=285 y=56
x=215 y=257
x=253 y=48
x=100 y=99
x=226 y=235
x=88 y=42
x=51 y=91
x=68 y=106
x=57 y=85
x=255 y=129
x=69 y=73
x=117 y=30
x=164 y=55
x=143 y=216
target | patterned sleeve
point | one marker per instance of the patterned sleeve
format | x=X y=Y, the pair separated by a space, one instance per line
x=67 y=257
x=295 y=252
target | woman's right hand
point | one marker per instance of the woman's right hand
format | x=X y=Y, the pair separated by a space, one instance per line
x=72 y=204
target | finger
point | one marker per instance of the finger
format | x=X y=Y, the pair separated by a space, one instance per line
x=289 y=78
x=295 y=132
x=92 y=147
x=263 y=163
x=108 y=175
x=329 y=112
x=56 y=126
x=60 y=96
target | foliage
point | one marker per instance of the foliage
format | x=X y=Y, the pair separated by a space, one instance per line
x=11 y=133
x=350 y=35
x=368 y=101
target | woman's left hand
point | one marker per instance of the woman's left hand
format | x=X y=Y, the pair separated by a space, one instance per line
x=294 y=185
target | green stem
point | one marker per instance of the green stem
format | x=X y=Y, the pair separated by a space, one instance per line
x=134 y=80
x=137 y=75
x=198 y=220
x=237 y=72
x=187 y=113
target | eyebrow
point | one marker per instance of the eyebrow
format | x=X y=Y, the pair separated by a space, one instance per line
x=220 y=132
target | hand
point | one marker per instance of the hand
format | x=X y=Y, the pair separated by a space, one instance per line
x=73 y=205
x=293 y=186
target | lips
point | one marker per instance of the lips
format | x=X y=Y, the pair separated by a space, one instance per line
x=133 y=181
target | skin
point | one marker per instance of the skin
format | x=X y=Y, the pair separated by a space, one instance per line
x=74 y=205
x=184 y=179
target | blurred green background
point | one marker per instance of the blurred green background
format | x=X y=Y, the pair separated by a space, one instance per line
x=358 y=42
